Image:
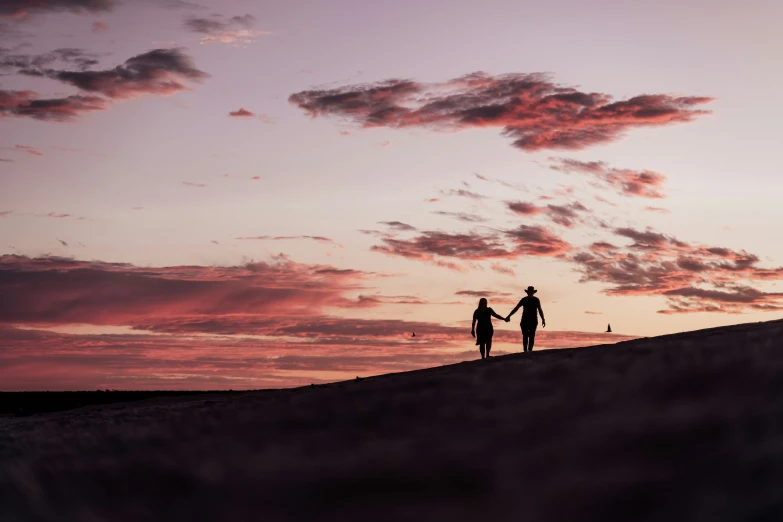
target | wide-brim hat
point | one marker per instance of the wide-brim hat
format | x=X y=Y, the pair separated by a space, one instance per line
x=531 y=290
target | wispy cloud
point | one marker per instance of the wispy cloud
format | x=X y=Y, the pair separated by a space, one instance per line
x=79 y=58
x=218 y=29
x=320 y=239
x=639 y=183
x=461 y=216
x=32 y=151
x=461 y=193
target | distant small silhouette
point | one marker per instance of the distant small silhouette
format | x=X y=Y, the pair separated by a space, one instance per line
x=358 y=378
x=609 y=328
x=413 y=334
x=483 y=315
x=531 y=307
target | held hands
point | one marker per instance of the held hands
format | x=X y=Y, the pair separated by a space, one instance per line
x=508 y=318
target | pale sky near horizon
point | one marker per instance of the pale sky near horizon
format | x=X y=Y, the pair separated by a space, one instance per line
x=615 y=210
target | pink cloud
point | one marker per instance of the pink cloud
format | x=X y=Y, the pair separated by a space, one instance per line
x=565 y=215
x=531 y=110
x=692 y=277
x=639 y=183
x=446 y=249
x=46 y=360
x=55 y=290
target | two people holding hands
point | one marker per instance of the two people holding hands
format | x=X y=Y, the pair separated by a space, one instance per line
x=531 y=307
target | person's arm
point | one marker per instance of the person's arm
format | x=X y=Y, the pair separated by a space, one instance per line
x=473 y=326
x=541 y=311
x=496 y=315
x=508 y=317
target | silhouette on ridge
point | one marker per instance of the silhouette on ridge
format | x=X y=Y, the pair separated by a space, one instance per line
x=483 y=334
x=531 y=307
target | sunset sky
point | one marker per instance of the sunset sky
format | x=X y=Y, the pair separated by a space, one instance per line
x=262 y=194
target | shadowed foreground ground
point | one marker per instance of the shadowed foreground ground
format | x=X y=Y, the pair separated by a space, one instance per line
x=687 y=427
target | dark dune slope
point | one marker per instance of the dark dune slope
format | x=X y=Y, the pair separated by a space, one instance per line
x=686 y=427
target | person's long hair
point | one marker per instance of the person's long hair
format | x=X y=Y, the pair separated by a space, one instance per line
x=482 y=303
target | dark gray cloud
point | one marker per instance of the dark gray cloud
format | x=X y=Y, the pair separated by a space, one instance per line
x=24 y=8
x=398 y=225
x=218 y=24
x=27 y=104
x=80 y=58
x=160 y=72
x=219 y=29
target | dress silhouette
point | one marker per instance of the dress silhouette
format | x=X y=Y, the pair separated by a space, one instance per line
x=484 y=330
x=608 y=328
x=531 y=307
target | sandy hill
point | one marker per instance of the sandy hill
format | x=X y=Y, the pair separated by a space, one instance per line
x=685 y=427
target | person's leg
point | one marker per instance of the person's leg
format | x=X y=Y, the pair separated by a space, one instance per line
x=481 y=349
x=489 y=346
x=524 y=339
x=531 y=337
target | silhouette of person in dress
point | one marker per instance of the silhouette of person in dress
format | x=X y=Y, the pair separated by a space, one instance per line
x=531 y=307
x=483 y=334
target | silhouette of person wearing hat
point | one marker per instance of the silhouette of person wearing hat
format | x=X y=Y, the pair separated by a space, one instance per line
x=531 y=307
